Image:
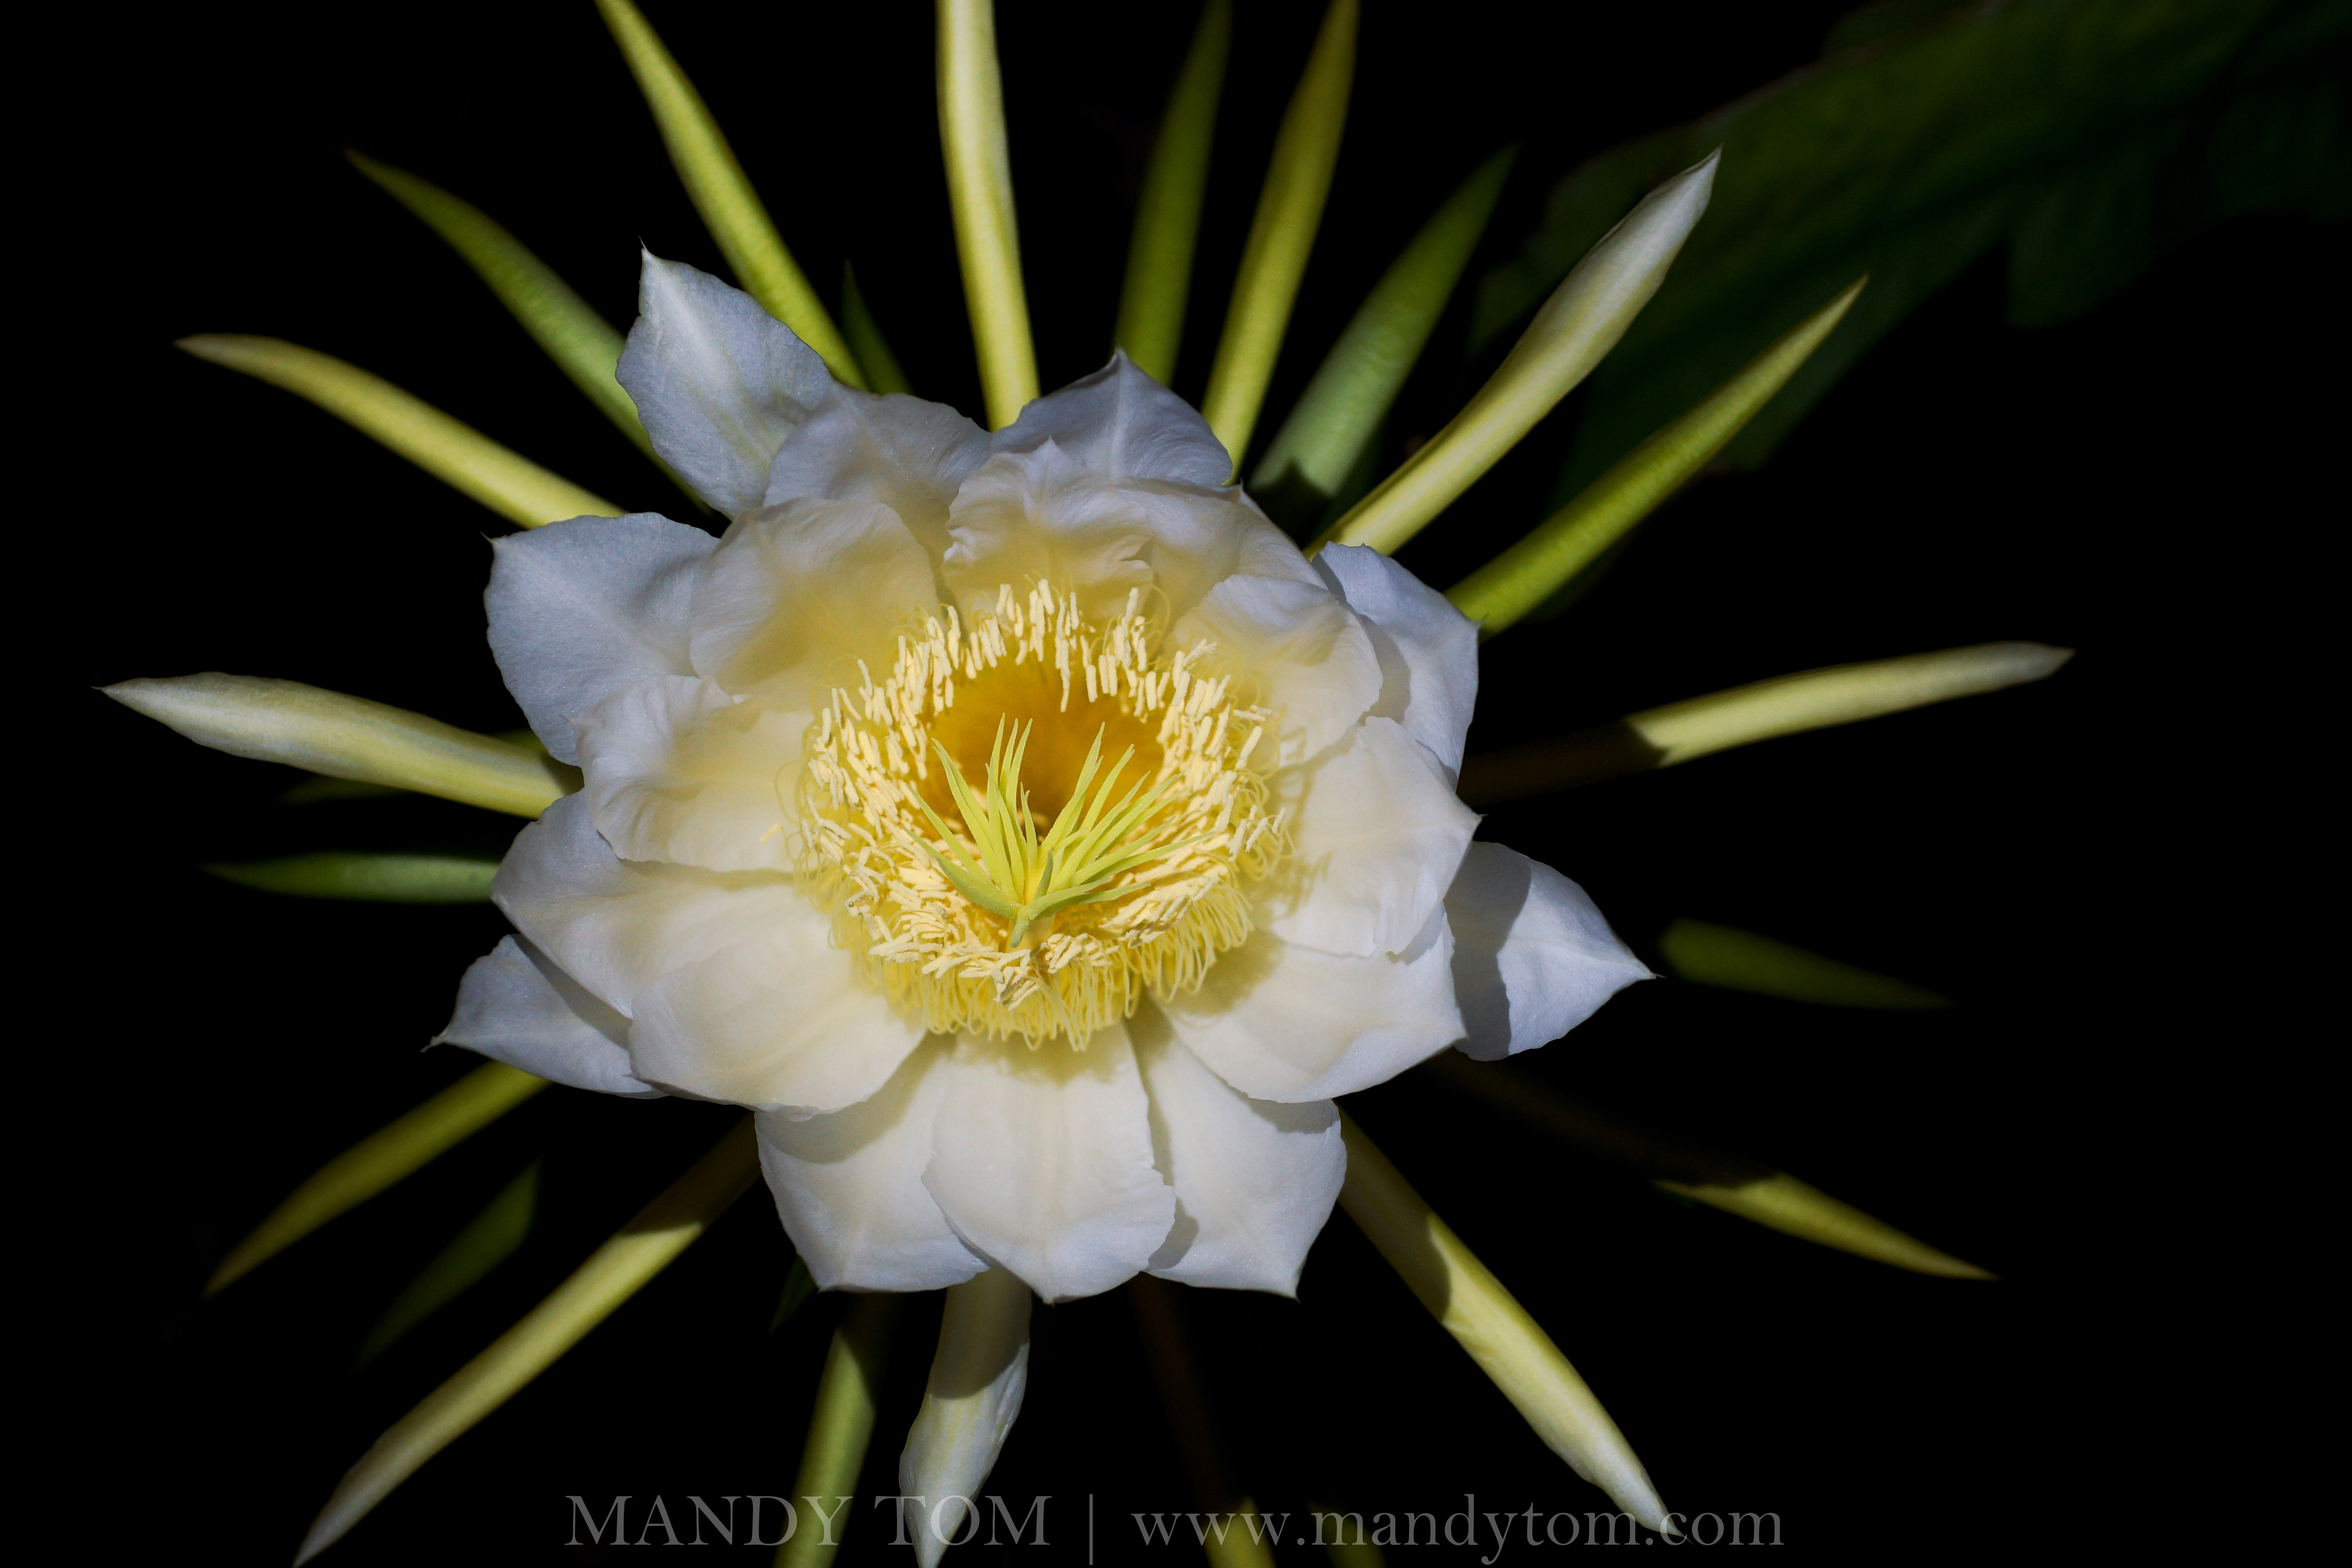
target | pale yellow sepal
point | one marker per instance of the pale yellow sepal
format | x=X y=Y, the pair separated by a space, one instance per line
x=350 y=738
x=731 y=210
x=978 y=1376
x=1282 y=235
x=979 y=194
x=1341 y=409
x=1507 y=1344
x=1151 y=303
x=1520 y=579
x=450 y=450
x=376 y=879
x=1705 y=953
x=1841 y=694
x=1786 y=1204
x=379 y=1161
x=1785 y=705
x=840 y=1426
x=614 y=1272
x=1576 y=327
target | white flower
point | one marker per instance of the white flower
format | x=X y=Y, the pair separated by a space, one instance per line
x=1077 y=1006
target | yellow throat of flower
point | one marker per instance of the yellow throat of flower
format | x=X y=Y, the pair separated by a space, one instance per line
x=988 y=868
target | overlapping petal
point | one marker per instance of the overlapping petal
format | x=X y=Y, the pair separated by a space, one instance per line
x=617 y=926
x=1255 y=1179
x=516 y=1007
x=580 y=609
x=796 y=594
x=909 y=455
x=717 y=380
x=1377 y=835
x=1279 y=1021
x=678 y=770
x=1123 y=425
x=777 y=1020
x=1043 y=516
x=1042 y=1161
x=1292 y=647
x=1532 y=956
x=849 y=1185
x=1428 y=650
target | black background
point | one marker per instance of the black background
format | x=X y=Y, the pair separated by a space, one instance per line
x=2084 y=863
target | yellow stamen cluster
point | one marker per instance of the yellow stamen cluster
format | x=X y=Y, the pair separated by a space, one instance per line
x=987 y=864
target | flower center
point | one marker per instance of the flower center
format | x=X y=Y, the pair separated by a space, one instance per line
x=1036 y=818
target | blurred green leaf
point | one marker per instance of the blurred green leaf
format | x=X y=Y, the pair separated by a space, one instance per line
x=489 y=1239
x=2085 y=135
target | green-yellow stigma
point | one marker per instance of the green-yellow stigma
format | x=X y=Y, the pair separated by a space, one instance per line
x=1050 y=896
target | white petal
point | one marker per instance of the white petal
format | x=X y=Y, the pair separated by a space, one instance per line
x=1201 y=537
x=779 y=1021
x=580 y=609
x=1377 y=834
x=796 y=594
x=1042 y=1161
x=1278 y=1021
x=616 y=926
x=1428 y=649
x=1124 y=426
x=717 y=380
x=678 y=771
x=1255 y=1179
x=515 y=1007
x=849 y=1186
x=903 y=452
x=1291 y=647
x=1046 y=516
x=1532 y=957
x=970 y=1403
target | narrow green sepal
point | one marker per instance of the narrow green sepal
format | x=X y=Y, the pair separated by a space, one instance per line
x=489 y=1239
x=1708 y=955
x=865 y=335
x=378 y=879
x=715 y=182
x=1520 y=580
x=1340 y=413
x=380 y=1161
x=799 y=1286
x=1151 y=327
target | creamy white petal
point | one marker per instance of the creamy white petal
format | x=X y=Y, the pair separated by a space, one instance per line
x=1532 y=956
x=1294 y=647
x=1044 y=515
x=516 y=1007
x=1201 y=537
x=1378 y=834
x=1255 y=1179
x=849 y=1186
x=1428 y=649
x=901 y=451
x=717 y=380
x=580 y=609
x=1042 y=1161
x=796 y=594
x=778 y=1020
x=970 y=1403
x=1278 y=1021
x=679 y=771
x=1124 y=426
x=616 y=926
